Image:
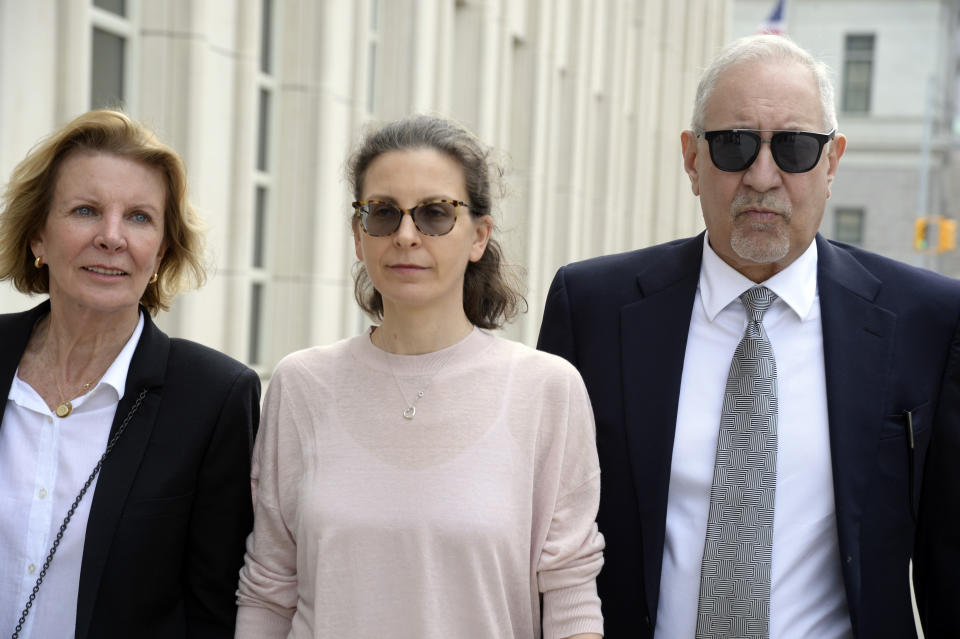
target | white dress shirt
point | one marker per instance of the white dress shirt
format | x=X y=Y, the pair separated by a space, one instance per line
x=807 y=597
x=44 y=461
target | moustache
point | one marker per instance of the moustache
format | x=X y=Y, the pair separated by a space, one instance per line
x=747 y=202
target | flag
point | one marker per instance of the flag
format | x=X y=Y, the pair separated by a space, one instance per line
x=776 y=23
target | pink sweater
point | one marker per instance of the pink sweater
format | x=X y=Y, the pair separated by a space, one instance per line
x=446 y=526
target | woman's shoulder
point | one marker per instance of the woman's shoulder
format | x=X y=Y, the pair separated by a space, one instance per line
x=204 y=358
x=195 y=368
x=528 y=361
x=317 y=360
x=23 y=321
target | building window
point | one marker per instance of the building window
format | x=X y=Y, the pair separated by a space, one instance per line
x=263 y=181
x=260 y=227
x=112 y=46
x=106 y=74
x=256 y=321
x=116 y=7
x=858 y=73
x=266 y=37
x=848 y=225
x=263 y=129
x=373 y=43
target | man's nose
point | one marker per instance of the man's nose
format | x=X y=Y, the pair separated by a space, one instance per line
x=764 y=174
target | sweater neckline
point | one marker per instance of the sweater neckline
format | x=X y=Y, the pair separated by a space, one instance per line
x=423 y=364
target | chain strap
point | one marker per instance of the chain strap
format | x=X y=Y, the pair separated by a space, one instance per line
x=73 y=508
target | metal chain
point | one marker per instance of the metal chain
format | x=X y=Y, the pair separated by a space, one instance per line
x=73 y=508
x=411 y=410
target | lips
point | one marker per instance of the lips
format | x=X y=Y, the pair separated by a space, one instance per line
x=760 y=215
x=103 y=270
x=407 y=269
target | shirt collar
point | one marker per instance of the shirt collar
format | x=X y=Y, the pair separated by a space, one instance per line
x=720 y=284
x=115 y=378
x=116 y=375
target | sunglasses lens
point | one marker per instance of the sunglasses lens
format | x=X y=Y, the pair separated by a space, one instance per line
x=435 y=218
x=380 y=218
x=733 y=150
x=795 y=152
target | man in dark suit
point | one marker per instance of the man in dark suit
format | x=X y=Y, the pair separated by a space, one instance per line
x=849 y=452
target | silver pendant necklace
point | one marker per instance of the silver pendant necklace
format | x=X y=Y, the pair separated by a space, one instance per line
x=411 y=410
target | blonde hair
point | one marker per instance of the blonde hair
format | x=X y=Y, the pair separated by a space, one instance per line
x=27 y=198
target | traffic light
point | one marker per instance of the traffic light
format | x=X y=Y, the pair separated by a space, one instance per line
x=934 y=234
x=921 y=238
x=947 y=237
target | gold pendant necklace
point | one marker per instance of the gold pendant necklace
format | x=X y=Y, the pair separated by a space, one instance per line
x=65 y=407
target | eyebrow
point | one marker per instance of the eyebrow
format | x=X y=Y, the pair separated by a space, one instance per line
x=423 y=200
x=791 y=125
x=84 y=200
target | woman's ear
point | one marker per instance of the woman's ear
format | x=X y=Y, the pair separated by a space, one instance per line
x=482 y=229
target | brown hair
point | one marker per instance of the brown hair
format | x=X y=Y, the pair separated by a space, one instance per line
x=491 y=292
x=27 y=199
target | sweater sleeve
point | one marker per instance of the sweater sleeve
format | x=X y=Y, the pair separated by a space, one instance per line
x=267 y=596
x=572 y=553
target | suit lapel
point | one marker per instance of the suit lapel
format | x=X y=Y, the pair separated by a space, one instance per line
x=146 y=371
x=857 y=348
x=654 y=337
x=16 y=334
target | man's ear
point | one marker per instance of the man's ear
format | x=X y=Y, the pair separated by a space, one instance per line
x=835 y=151
x=689 y=148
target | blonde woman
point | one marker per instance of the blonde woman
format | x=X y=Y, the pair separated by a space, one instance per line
x=124 y=454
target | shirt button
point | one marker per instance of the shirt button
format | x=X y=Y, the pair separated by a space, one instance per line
x=849 y=559
x=49 y=419
x=31 y=569
x=42 y=493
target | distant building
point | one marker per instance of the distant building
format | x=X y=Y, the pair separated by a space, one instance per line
x=896 y=64
x=264 y=98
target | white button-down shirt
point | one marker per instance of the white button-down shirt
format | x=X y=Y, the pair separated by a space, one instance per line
x=807 y=596
x=44 y=461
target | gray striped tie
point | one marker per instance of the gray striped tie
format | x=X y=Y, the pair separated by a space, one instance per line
x=735 y=574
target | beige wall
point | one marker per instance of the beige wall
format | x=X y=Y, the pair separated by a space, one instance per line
x=583 y=99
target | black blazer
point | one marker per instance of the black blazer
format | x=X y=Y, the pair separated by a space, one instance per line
x=172 y=506
x=891 y=340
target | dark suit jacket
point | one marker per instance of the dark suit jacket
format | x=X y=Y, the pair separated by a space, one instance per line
x=172 y=506
x=891 y=340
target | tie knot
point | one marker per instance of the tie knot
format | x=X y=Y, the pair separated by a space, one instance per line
x=757 y=300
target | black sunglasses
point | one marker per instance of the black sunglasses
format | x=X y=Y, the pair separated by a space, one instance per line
x=380 y=219
x=735 y=150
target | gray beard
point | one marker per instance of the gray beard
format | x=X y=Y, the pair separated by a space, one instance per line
x=763 y=246
x=760 y=243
